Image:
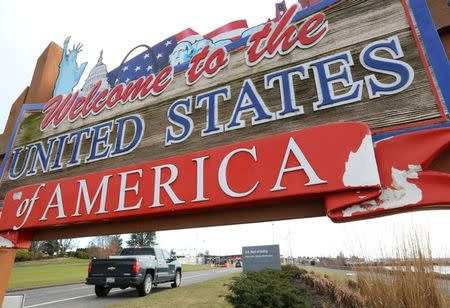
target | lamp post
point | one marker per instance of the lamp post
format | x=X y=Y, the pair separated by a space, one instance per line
x=273 y=237
x=290 y=245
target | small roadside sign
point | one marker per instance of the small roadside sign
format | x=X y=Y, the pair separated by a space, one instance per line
x=256 y=258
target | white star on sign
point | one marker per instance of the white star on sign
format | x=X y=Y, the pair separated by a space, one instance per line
x=168 y=43
x=149 y=68
x=125 y=68
x=137 y=68
x=159 y=56
x=146 y=55
x=128 y=79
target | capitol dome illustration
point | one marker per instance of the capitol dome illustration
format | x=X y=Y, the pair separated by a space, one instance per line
x=98 y=73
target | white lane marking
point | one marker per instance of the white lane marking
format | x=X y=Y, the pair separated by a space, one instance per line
x=65 y=300
x=195 y=276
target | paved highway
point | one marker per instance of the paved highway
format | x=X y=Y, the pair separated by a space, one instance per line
x=81 y=295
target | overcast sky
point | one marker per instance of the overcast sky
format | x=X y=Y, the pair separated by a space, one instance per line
x=27 y=27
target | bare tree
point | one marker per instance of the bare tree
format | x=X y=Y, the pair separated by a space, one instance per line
x=65 y=244
x=104 y=246
x=36 y=246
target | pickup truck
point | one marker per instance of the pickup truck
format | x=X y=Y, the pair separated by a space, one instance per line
x=139 y=268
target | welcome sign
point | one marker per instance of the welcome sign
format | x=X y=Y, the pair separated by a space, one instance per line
x=248 y=122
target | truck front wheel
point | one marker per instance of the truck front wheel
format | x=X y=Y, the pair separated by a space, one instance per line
x=146 y=286
x=101 y=291
x=177 y=282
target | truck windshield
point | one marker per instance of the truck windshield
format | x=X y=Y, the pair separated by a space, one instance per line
x=138 y=252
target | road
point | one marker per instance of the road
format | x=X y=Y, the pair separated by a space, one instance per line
x=81 y=295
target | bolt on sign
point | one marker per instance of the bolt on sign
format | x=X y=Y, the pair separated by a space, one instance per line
x=286 y=111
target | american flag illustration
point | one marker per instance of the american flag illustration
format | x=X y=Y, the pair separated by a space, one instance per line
x=145 y=63
x=152 y=61
x=181 y=47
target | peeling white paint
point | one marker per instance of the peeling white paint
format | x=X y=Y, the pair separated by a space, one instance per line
x=361 y=166
x=400 y=194
x=17 y=195
x=4 y=242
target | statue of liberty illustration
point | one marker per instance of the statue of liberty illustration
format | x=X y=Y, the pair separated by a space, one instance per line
x=69 y=73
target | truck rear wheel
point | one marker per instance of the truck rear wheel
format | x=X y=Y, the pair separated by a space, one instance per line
x=146 y=286
x=101 y=291
x=177 y=282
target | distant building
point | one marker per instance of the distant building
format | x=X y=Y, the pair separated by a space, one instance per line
x=98 y=73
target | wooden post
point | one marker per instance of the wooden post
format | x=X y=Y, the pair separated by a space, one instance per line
x=40 y=91
x=7 y=256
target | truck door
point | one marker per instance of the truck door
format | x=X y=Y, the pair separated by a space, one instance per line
x=170 y=264
x=162 y=269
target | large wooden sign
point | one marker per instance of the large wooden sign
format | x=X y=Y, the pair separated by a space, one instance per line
x=126 y=150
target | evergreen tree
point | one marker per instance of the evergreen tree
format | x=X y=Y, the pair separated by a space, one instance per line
x=142 y=239
x=50 y=247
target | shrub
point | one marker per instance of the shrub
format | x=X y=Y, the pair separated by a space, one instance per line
x=292 y=272
x=80 y=254
x=23 y=255
x=268 y=288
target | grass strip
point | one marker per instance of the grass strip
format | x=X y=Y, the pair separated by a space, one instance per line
x=208 y=294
